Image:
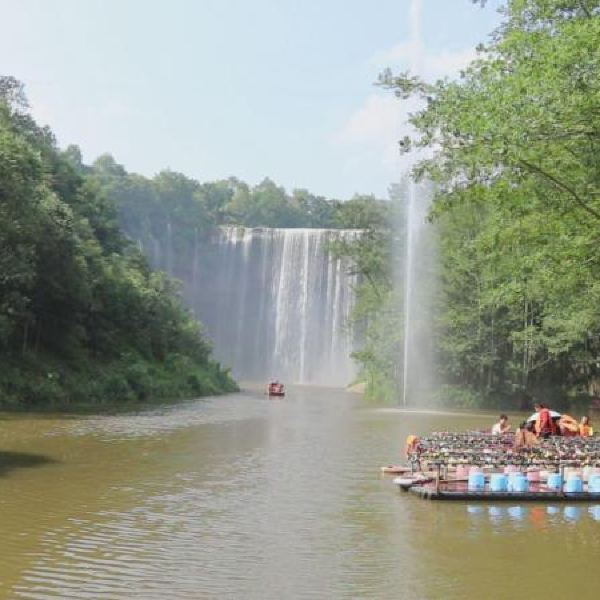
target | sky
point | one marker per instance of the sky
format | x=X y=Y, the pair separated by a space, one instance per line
x=247 y=88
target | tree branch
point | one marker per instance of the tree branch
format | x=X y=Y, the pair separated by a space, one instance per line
x=561 y=185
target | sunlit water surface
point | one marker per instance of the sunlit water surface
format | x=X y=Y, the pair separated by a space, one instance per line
x=246 y=497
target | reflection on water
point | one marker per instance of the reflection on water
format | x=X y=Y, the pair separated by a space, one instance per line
x=541 y=515
x=246 y=497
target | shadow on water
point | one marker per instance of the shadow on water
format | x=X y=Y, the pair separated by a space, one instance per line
x=10 y=461
x=77 y=411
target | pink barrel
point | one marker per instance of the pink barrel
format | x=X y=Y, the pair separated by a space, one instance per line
x=462 y=471
x=533 y=475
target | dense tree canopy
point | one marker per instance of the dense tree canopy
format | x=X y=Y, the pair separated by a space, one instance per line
x=82 y=317
x=513 y=153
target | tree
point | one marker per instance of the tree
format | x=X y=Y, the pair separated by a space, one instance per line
x=513 y=154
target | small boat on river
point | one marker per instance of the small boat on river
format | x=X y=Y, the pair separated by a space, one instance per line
x=276 y=389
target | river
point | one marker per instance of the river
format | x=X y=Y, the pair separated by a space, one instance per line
x=246 y=497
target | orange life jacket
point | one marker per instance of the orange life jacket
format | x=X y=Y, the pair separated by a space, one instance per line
x=568 y=425
x=586 y=430
x=544 y=423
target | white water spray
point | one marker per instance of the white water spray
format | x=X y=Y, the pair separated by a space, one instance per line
x=419 y=253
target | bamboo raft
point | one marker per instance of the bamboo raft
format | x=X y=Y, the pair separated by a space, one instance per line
x=438 y=464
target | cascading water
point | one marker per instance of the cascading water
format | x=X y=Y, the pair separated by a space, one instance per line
x=277 y=304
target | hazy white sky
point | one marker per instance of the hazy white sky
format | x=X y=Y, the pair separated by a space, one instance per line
x=252 y=88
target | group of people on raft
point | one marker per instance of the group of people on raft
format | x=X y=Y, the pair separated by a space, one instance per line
x=543 y=424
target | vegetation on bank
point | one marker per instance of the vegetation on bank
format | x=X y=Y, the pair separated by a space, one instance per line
x=512 y=152
x=82 y=316
x=170 y=215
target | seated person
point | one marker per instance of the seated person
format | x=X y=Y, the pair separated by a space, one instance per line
x=525 y=436
x=585 y=427
x=502 y=426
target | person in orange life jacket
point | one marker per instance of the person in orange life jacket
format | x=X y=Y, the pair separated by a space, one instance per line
x=585 y=427
x=545 y=425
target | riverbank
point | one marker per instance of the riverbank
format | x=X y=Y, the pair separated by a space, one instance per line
x=44 y=383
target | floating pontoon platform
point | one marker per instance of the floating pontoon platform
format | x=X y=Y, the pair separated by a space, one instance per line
x=461 y=492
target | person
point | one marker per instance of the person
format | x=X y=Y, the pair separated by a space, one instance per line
x=545 y=426
x=585 y=427
x=567 y=426
x=412 y=445
x=525 y=436
x=502 y=426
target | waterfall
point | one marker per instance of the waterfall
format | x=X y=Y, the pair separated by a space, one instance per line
x=277 y=304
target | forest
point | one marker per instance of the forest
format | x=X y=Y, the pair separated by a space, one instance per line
x=511 y=150
x=83 y=319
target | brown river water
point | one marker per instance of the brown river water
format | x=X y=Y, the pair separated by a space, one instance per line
x=246 y=497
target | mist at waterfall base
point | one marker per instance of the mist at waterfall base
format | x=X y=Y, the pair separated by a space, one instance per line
x=415 y=260
x=274 y=302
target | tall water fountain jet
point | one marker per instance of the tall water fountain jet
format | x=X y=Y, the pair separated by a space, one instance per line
x=418 y=281
x=419 y=288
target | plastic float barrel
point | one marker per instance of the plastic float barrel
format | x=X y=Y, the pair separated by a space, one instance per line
x=573 y=473
x=518 y=483
x=574 y=485
x=511 y=476
x=476 y=480
x=498 y=482
x=554 y=481
x=462 y=471
x=594 y=484
x=534 y=475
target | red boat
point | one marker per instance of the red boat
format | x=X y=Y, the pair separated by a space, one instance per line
x=275 y=389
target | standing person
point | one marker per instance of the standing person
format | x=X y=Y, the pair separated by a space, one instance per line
x=545 y=426
x=585 y=427
x=502 y=426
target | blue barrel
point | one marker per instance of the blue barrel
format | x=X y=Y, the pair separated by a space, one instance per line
x=476 y=481
x=498 y=482
x=518 y=483
x=594 y=484
x=574 y=485
x=554 y=481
